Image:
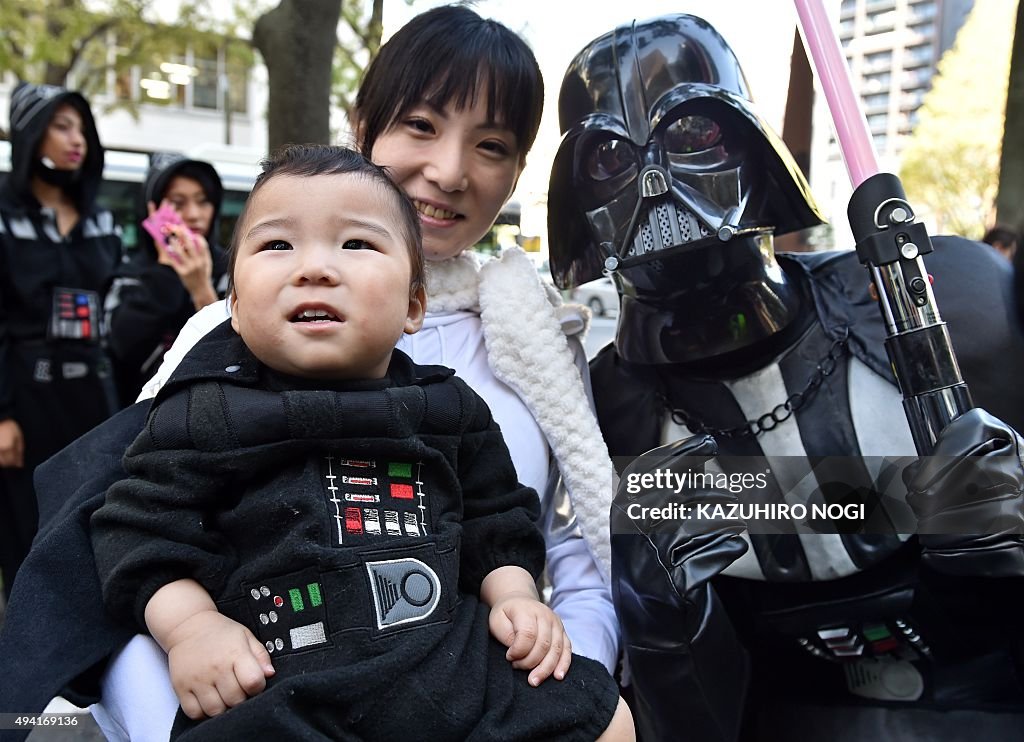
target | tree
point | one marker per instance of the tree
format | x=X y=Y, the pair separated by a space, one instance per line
x=1010 y=201
x=63 y=42
x=67 y=42
x=297 y=40
x=330 y=62
x=355 y=52
x=950 y=166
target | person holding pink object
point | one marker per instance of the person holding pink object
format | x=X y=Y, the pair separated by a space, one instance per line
x=177 y=269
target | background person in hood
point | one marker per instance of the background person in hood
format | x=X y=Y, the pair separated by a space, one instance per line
x=58 y=252
x=163 y=286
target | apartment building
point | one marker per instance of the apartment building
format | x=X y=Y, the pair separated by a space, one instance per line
x=892 y=47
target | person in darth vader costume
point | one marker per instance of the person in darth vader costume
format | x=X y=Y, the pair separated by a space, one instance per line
x=731 y=358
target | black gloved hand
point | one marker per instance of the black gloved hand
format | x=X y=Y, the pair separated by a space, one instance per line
x=693 y=549
x=967 y=498
x=689 y=672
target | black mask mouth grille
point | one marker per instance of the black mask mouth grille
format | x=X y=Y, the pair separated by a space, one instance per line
x=664 y=225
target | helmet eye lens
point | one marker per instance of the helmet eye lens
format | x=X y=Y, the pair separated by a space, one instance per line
x=691 y=134
x=608 y=159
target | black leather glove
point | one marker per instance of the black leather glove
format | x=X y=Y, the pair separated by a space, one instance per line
x=689 y=671
x=967 y=498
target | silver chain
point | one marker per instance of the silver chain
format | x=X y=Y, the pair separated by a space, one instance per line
x=778 y=414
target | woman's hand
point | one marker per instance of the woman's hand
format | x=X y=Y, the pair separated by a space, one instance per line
x=12 y=444
x=189 y=255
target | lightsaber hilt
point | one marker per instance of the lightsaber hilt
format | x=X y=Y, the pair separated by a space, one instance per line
x=890 y=242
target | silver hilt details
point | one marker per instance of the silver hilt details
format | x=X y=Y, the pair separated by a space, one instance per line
x=890 y=242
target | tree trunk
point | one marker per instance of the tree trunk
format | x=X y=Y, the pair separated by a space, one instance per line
x=1010 y=199
x=796 y=126
x=796 y=131
x=56 y=73
x=297 y=40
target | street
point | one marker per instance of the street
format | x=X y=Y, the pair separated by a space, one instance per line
x=602 y=331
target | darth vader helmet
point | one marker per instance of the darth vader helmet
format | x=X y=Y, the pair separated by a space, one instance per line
x=669 y=181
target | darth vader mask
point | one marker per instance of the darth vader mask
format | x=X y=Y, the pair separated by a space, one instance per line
x=669 y=181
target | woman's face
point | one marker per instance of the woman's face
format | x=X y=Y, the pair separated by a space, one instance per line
x=189 y=199
x=64 y=141
x=458 y=169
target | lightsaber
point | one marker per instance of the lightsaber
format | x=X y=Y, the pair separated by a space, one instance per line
x=890 y=242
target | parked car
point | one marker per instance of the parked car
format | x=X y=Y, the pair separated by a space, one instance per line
x=599 y=295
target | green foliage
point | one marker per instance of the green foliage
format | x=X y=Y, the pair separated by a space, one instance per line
x=65 y=42
x=358 y=42
x=950 y=166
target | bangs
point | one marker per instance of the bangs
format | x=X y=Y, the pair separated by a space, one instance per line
x=508 y=88
x=427 y=62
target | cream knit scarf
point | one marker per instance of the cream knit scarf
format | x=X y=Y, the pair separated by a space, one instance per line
x=525 y=333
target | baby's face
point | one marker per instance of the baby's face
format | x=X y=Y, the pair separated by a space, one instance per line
x=321 y=281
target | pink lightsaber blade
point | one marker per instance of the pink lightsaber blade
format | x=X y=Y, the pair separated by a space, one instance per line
x=834 y=76
x=890 y=242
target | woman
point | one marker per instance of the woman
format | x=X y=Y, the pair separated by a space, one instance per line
x=167 y=282
x=456 y=143
x=58 y=252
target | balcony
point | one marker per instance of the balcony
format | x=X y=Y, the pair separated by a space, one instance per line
x=915 y=56
x=876 y=103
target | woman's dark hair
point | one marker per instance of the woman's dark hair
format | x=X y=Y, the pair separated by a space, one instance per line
x=308 y=160
x=432 y=59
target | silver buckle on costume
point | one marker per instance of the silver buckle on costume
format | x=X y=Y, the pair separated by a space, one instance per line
x=404 y=591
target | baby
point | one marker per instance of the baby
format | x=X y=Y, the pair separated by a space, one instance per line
x=322 y=534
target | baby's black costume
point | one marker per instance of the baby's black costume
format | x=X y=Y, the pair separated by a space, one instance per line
x=349 y=530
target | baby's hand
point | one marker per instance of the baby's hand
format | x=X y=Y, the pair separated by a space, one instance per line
x=215 y=664
x=534 y=635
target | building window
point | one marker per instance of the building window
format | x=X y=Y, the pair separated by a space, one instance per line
x=166 y=84
x=204 y=94
x=874 y=102
x=878 y=122
x=214 y=73
x=920 y=14
x=192 y=81
x=880 y=22
x=925 y=30
x=878 y=60
x=912 y=99
x=917 y=78
x=916 y=55
x=877 y=82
